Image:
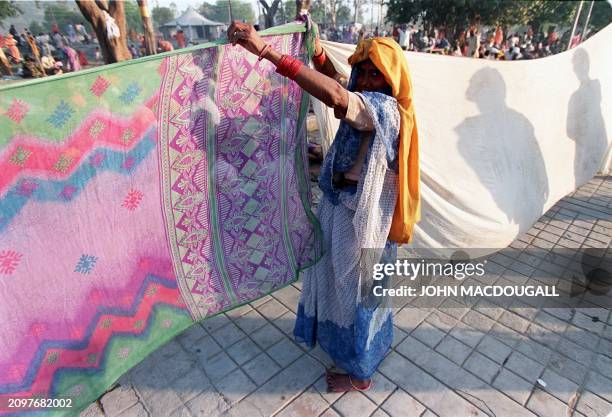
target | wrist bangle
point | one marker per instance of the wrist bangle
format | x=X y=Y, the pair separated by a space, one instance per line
x=319 y=60
x=289 y=66
x=263 y=52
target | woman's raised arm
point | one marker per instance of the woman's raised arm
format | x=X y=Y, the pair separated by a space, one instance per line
x=315 y=83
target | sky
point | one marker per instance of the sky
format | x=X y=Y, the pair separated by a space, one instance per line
x=183 y=4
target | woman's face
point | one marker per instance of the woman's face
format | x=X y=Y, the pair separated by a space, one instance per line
x=370 y=78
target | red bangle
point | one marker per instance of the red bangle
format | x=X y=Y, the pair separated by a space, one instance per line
x=289 y=66
x=263 y=51
x=319 y=60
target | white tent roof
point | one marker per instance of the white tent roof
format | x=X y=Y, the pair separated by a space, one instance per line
x=192 y=18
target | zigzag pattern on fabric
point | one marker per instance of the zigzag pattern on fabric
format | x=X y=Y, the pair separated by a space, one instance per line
x=101 y=160
x=24 y=157
x=87 y=311
x=122 y=319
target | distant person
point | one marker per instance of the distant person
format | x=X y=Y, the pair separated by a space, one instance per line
x=97 y=54
x=11 y=45
x=180 y=39
x=404 y=37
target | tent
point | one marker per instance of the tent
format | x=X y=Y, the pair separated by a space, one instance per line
x=195 y=26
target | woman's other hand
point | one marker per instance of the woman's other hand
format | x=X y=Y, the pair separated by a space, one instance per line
x=246 y=36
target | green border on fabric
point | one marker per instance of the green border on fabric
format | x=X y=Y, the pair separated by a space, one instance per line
x=276 y=30
x=211 y=156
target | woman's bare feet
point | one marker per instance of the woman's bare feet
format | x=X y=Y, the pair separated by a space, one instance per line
x=337 y=382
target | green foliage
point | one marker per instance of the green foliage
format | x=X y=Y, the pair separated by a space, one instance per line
x=63 y=15
x=8 y=9
x=458 y=14
x=36 y=28
x=219 y=12
x=344 y=15
x=286 y=12
x=133 y=20
x=161 y=15
x=318 y=12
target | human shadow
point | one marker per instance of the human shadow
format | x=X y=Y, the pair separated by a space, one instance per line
x=585 y=124
x=500 y=146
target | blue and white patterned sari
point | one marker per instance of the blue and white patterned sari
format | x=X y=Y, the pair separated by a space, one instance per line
x=355 y=335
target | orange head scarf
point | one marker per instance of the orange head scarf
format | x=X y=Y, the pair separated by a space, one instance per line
x=389 y=58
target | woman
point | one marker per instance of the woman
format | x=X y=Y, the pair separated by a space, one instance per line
x=371 y=166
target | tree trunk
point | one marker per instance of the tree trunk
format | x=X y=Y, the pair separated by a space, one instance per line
x=301 y=8
x=269 y=11
x=115 y=49
x=147 y=23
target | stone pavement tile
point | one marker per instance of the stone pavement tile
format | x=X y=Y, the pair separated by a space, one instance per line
x=591 y=405
x=118 y=400
x=600 y=385
x=489 y=309
x=261 y=368
x=468 y=385
x=568 y=368
x=228 y=335
x=565 y=314
x=513 y=321
x=558 y=386
x=205 y=349
x=237 y=312
x=493 y=349
x=605 y=347
x=442 y=321
x=380 y=413
x=308 y=404
x=330 y=413
x=250 y=321
x=453 y=308
x=320 y=355
x=401 y=404
x=286 y=323
x=181 y=411
x=425 y=388
x=283 y=387
x=550 y=322
x=586 y=322
x=134 y=411
x=162 y=403
x=513 y=386
x=218 y=366
x=581 y=336
x=467 y=334
x=93 y=411
x=260 y=301
x=243 y=350
x=428 y=334
x=190 y=336
x=176 y=366
x=381 y=388
x=285 y=352
x=453 y=349
x=214 y=323
x=543 y=336
x=321 y=387
x=267 y=336
x=289 y=297
x=525 y=367
x=428 y=413
x=575 y=352
x=398 y=336
x=272 y=309
x=603 y=364
x=235 y=386
x=147 y=382
x=534 y=350
x=545 y=405
x=209 y=403
x=482 y=367
x=191 y=384
x=354 y=404
x=409 y=318
x=607 y=333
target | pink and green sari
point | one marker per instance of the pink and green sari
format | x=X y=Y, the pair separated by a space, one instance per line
x=139 y=198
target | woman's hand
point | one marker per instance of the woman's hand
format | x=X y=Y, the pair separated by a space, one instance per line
x=246 y=36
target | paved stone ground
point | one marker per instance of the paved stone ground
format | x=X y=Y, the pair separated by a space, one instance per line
x=454 y=362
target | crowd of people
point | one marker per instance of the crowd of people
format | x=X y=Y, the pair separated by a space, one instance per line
x=473 y=42
x=46 y=53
